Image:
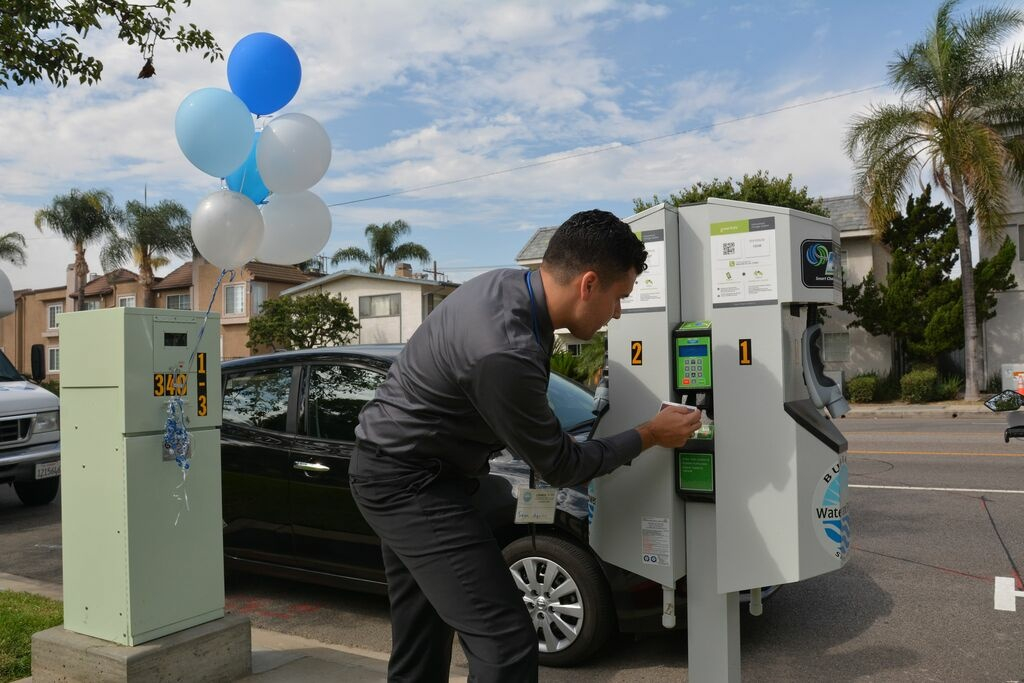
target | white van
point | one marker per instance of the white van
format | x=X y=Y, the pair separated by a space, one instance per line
x=29 y=435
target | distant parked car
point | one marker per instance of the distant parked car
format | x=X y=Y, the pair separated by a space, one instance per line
x=287 y=438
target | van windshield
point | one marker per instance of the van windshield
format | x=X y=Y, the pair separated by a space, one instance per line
x=8 y=373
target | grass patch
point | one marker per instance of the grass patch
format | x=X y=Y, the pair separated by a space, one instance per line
x=21 y=615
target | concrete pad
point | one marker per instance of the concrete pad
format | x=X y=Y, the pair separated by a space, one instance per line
x=215 y=651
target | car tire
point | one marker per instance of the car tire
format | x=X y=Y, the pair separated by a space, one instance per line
x=574 y=615
x=38 y=492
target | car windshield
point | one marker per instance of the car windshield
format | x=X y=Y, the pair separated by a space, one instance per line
x=570 y=402
x=8 y=373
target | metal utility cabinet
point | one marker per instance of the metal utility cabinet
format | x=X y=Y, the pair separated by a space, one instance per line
x=142 y=545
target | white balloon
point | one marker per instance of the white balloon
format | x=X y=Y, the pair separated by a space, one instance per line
x=227 y=229
x=296 y=227
x=293 y=153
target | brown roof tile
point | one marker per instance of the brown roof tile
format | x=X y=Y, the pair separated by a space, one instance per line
x=104 y=283
x=178 y=278
x=275 y=273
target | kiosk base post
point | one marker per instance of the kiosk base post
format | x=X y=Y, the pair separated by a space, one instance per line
x=713 y=619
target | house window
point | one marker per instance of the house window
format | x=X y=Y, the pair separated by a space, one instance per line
x=844 y=260
x=380 y=306
x=126 y=301
x=573 y=349
x=91 y=305
x=53 y=359
x=179 y=302
x=259 y=295
x=52 y=311
x=234 y=299
x=836 y=347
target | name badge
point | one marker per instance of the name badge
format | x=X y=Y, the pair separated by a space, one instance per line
x=535 y=506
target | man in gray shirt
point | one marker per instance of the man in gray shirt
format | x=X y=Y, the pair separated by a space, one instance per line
x=471 y=380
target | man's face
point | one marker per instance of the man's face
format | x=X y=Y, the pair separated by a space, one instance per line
x=600 y=302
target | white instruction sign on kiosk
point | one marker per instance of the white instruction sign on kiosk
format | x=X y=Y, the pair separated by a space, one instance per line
x=655 y=539
x=743 y=261
x=649 y=289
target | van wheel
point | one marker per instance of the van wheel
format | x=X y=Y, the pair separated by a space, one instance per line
x=567 y=596
x=37 y=492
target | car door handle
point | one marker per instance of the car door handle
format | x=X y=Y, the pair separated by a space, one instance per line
x=311 y=466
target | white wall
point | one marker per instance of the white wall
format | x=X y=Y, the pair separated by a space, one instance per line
x=867 y=352
x=1003 y=336
x=385 y=330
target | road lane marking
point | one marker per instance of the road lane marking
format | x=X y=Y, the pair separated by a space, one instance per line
x=1006 y=594
x=993 y=455
x=931 y=488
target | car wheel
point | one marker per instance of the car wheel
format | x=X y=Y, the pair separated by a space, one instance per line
x=37 y=492
x=567 y=597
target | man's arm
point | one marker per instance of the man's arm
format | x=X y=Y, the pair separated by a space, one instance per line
x=510 y=392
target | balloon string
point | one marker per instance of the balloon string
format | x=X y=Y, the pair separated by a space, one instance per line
x=206 y=316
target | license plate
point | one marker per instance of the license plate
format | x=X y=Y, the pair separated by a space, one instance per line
x=44 y=470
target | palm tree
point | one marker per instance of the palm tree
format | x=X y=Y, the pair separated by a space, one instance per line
x=12 y=248
x=81 y=218
x=150 y=234
x=383 y=250
x=961 y=120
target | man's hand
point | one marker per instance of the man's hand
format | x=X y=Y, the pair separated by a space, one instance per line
x=670 y=428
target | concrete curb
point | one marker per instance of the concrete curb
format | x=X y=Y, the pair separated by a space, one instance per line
x=907 y=410
x=276 y=657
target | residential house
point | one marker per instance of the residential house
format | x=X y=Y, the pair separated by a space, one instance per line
x=1003 y=335
x=389 y=307
x=848 y=351
x=188 y=287
x=851 y=350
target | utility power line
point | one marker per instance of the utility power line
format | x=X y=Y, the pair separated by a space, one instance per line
x=607 y=147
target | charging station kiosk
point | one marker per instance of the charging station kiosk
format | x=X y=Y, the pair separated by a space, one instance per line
x=142 y=544
x=726 y=318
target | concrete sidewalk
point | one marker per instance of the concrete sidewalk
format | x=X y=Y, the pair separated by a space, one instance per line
x=951 y=409
x=276 y=657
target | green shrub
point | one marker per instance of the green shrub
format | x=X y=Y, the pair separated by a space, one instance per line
x=948 y=388
x=919 y=386
x=51 y=385
x=863 y=388
x=563 y=363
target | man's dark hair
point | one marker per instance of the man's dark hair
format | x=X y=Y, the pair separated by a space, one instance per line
x=594 y=240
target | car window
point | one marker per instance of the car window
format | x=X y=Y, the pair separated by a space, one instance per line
x=258 y=398
x=571 y=403
x=336 y=395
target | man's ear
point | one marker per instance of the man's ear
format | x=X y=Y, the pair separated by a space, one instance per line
x=588 y=285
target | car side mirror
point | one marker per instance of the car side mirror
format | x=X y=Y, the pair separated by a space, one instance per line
x=1006 y=400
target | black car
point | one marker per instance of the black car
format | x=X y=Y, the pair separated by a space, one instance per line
x=287 y=437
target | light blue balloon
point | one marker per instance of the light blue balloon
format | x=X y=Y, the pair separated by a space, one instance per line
x=246 y=178
x=264 y=71
x=214 y=129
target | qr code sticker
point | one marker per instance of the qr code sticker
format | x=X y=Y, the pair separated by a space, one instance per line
x=729 y=249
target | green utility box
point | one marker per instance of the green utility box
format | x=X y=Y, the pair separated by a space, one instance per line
x=142 y=544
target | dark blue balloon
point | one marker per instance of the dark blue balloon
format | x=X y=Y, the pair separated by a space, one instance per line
x=246 y=178
x=264 y=72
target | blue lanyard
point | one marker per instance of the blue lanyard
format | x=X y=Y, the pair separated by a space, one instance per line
x=533 y=311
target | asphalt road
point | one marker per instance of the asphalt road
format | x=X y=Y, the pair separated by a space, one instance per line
x=937 y=507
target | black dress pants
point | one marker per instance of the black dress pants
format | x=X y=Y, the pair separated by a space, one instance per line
x=445 y=573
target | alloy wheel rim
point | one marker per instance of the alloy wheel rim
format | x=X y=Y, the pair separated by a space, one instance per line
x=553 y=600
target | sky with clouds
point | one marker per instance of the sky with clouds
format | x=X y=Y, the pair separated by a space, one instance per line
x=417 y=94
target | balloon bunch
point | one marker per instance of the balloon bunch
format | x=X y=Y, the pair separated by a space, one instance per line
x=272 y=168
